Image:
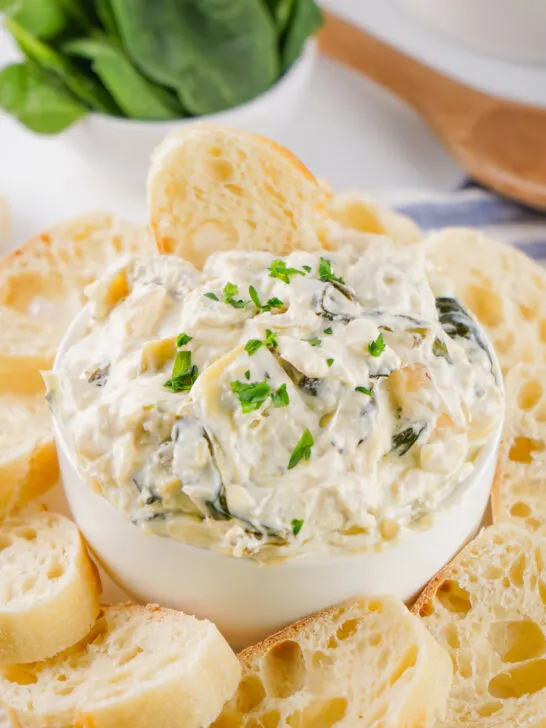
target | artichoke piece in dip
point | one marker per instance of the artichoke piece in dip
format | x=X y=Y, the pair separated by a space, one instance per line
x=278 y=408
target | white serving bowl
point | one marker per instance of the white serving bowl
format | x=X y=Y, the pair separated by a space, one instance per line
x=124 y=146
x=249 y=601
x=511 y=29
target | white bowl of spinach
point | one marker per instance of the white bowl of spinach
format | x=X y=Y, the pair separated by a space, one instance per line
x=118 y=74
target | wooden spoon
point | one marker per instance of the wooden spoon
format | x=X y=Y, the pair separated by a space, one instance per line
x=500 y=143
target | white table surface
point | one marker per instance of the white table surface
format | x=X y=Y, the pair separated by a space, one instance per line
x=347 y=130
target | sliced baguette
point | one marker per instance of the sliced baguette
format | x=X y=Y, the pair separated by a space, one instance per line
x=356 y=211
x=140 y=667
x=520 y=490
x=487 y=609
x=504 y=288
x=367 y=662
x=49 y=590
x=28 y=458
x=213 y=188
x=41 y=289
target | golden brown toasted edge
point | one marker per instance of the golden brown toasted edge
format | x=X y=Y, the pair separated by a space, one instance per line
x=422 y=606
x=293 y=631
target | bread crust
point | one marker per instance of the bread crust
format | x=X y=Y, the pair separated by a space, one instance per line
x=346 y=639
x=212 y=188
x=61 y=608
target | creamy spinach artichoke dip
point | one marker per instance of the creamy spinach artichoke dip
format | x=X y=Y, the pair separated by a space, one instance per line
x=277 y=408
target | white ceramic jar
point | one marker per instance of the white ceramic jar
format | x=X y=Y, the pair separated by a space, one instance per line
x=510 y=29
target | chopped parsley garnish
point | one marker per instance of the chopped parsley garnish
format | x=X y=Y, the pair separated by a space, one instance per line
x=364 y=390
x=211 y=295
x=280 y=398
x=229 y=293
x=252 y=346
x=329 y=362
x=278 y=269
x=184 y=373
x=315 y=341
x=297 y=525
x=271 y=339
x=247 y=374
x=182 y=340
x=302 y=451
x=251 y=395
x=377 y=347
x=326 y=273
x=307 y=268
x=329 y=331
x=271 y=303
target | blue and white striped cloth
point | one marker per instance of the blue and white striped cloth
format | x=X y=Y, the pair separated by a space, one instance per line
x=473 y=207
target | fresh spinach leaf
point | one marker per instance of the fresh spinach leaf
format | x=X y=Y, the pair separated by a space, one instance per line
x=43 y=18
x=107 y=18
x=306 y=19
x=281 y=10
x=40 y=105
x=215 y=53
x=137 y=97
x=84 y=87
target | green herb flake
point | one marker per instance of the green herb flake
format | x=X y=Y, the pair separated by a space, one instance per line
x=251 y=395
x=439 y=349
x=252 y=346
x=271 y=303
x=307 y=268
x=364 y=390
x=229 y=293
x=247 y=374
x=211 y=295
x=297 y=525
x=326 y=273
x=280 y=398
x=329 y=331
x=184 y=373
x=315 y=341
x=302 y=451
x=377 y=347
x=330 y=362
x=271 y=339
x=253 y=293
x=182 y=340
x=278 y=269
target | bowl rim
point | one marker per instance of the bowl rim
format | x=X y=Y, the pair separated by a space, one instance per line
x=490 y=449
x=300 y=66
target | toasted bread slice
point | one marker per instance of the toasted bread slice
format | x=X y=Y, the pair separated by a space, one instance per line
x=28 y=458
x=213 y=188
x=520 y=490
x=504 y=288
x=49 y=590
x=357 y=211
x=140 y=667
x=487 y=609
x=41 y=289
x=367 y=662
